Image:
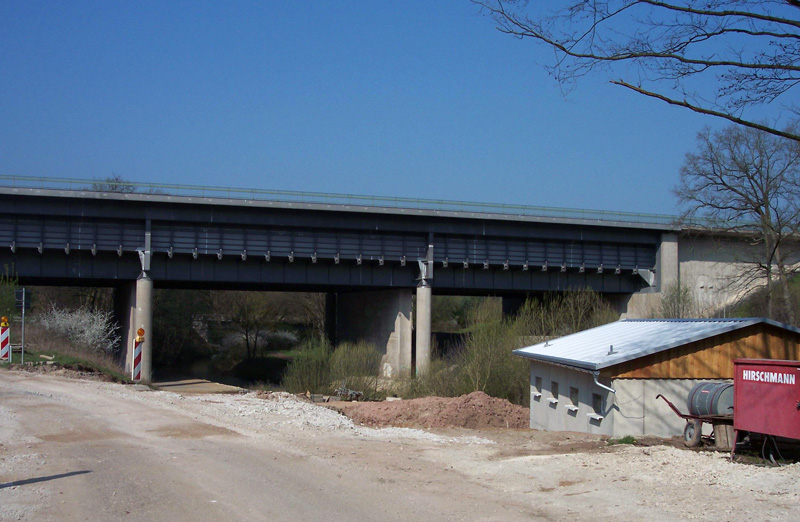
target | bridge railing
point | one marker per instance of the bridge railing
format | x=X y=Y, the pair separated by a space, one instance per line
x=110 y=185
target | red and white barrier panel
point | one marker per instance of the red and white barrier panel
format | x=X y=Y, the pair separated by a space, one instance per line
x=5 y=341
x=137 y=360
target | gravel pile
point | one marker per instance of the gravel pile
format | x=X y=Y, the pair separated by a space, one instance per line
x=255 y=412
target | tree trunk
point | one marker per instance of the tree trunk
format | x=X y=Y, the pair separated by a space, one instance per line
x=770 y=304
x=788 y=305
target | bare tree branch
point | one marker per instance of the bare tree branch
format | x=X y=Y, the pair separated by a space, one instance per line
x=709 y=112
x=719 y=57
x=722 y=13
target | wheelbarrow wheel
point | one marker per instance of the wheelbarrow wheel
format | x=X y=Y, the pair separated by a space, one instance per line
x=692 y=433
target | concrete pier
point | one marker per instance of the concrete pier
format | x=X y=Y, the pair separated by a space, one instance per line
x=382 y=318
x=143 y=318
x=423 y=328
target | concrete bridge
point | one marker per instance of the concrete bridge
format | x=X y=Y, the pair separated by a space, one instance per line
x=371 y=255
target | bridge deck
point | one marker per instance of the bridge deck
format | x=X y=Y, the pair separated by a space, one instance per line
x=74 y=236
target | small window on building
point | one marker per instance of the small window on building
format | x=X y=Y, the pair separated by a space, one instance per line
x=572 y=407
x=553 y=400
x=597 y=403
x=536 y=394
x=573 y=396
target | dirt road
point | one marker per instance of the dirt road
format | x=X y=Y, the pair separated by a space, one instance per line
x=77 y=450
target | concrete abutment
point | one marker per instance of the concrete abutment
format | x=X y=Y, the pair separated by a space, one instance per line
x=382 y=318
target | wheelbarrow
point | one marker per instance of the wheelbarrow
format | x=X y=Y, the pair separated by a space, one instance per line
x=723 y=433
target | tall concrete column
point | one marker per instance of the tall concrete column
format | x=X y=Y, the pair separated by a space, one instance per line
x=423 y=327
x=143 y=318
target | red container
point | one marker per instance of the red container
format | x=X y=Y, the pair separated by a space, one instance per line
x=767 y=397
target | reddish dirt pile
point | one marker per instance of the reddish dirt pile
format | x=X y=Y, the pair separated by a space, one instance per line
x=475 y=411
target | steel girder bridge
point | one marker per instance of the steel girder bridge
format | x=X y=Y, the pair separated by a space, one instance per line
x=75 y=232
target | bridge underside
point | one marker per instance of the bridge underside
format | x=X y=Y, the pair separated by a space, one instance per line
x=108 y=269
x=119 y=240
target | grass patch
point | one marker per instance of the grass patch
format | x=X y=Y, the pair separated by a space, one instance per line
x=627 y=439
x=310 y=370
x=72 y=362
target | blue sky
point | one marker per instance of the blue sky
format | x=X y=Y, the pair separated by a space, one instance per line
x=412 y=99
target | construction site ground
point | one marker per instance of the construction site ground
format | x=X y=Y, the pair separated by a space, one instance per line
x=81 y=449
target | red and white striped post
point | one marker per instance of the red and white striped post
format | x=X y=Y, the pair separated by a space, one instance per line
x=5 y=341
x=137 y=355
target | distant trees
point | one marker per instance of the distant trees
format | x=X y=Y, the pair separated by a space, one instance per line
x=309 y=307
x=748 y=182
x=716 y=57
x=174 y=316
x=451 y=313
x=250 y=315
x=8 y=287
x=115 y=183
x=558 y=314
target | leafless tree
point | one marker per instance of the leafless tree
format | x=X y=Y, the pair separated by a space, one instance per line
x=716 y=57
x=115 y=183
x=310 y=308
x=676 y=302
x=748 y=182
x=251 y=314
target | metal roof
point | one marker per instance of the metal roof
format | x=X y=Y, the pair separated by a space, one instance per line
x=622 y=341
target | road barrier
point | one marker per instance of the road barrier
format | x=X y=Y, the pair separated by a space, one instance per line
x=5 y=341
x=137 y=355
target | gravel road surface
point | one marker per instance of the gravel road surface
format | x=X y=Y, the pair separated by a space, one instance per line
x=80 y=450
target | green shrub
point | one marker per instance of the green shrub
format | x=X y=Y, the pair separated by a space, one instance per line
x=627 y=439
x=319 y=368
x=310 y=370
x=487 y=364
x=485 y=361
x=357 y=367
x=443 y=379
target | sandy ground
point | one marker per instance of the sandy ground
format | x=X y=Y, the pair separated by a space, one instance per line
x=81 y=450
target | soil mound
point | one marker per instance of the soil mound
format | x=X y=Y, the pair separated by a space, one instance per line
x=475 y=411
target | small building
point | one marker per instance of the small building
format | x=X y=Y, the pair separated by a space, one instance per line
x=605 y=380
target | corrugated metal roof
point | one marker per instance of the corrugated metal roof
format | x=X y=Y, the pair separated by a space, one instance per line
x=631 y=339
